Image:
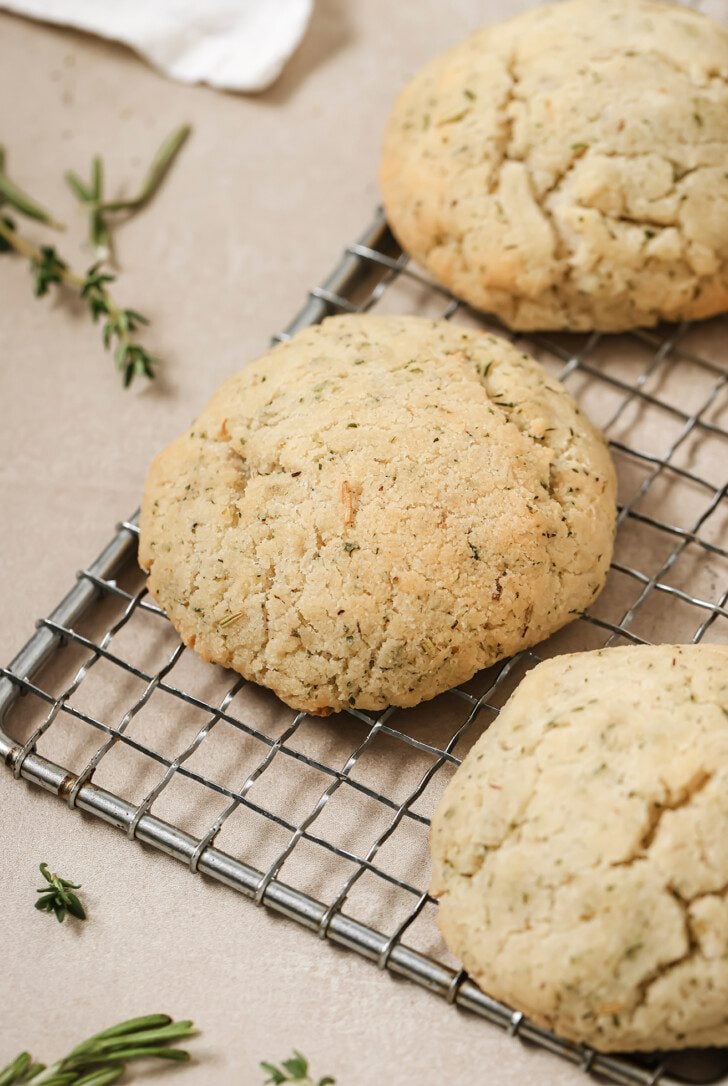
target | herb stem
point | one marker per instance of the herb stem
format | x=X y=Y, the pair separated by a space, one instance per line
x=35 y=255
x=161 y=164
x=130 y=357
x=26 y=205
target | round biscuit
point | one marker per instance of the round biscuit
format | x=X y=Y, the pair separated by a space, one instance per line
x=580 y=853
x=569 y=168
x=375 y=510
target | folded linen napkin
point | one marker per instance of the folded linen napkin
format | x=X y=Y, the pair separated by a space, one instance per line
x=239 y=45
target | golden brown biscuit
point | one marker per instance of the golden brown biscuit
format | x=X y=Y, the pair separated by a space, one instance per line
x=375 y=510
x=580 y=852
x=569 y=168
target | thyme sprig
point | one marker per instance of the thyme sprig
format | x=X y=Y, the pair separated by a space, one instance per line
x=58 y=897
x=48 y=268
x=91 y=193
x=102 y=1059
x=295 y=1069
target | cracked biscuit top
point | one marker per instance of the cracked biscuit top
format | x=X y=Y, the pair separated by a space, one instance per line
x=569 y=168
x=375 y=510
x=580 y=852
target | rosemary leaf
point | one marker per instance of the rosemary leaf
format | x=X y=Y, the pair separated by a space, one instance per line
x=101 y=1078
x=99 y=235
x=75 y=907
x=131 y=1025
x=12 y=194
x=147 y=1035
x=143 y=1052
x=97 y=178
x=21 y=1069
x=158 y=170
x=5 y=245
x=230 y=620
x=103 y=1058
x=77 y=186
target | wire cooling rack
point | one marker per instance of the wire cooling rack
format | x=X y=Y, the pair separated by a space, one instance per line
x=326 y=820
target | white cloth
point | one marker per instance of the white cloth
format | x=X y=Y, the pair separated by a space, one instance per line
x=237 y=45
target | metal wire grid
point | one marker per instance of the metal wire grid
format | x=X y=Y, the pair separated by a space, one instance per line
x=367 y=278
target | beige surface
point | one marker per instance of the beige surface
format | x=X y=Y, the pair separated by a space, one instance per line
x=268 y=192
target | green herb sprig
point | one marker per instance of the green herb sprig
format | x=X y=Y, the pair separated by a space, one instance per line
x=91 y=193
x=102 y=1059
x=58 y=897
x=294 y=1069
x=49 y=269
x=12 y=194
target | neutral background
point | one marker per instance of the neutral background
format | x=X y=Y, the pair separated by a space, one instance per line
x=265 y=196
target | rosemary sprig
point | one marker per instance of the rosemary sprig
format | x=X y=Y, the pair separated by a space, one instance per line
x=91 y=194
x=48 y=268
x=294 y=1069
x=58 y=897
x=102 y=1059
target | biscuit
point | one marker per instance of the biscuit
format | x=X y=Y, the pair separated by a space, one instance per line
x=375 y=510
x=568 y=169
x=580 y=851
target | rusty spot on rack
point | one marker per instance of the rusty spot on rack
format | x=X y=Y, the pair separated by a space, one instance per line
x=11 y=756
x=67 y=784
